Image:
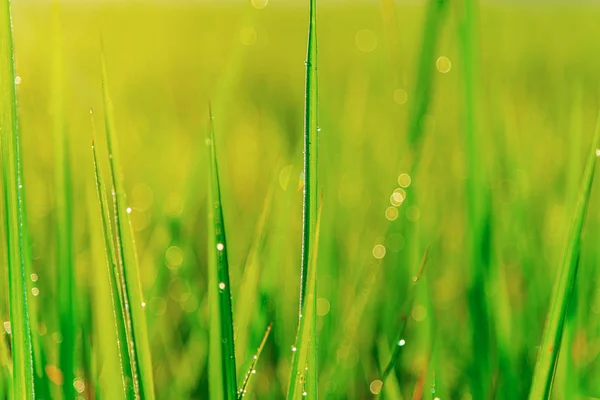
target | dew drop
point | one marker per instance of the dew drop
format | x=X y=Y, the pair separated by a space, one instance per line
x=34 y=277
x=402 y=342
x=18 y=80
x=294 y=348
x=35 y=291
x=220 y=246
x=128 y=210
x=222 y=285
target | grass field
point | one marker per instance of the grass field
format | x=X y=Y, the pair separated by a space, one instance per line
x=471 y=186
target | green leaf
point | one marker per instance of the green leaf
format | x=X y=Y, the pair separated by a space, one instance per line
x=543 y=375
x=22 y=353
x=222 y=347
x=131 y=289
x=110 y=326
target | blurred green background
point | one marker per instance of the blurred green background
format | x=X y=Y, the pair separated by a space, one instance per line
x=537 y=91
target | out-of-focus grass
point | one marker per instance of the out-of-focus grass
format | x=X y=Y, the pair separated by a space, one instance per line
x=536 y=105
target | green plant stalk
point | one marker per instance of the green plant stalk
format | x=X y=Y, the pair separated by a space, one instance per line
x=252 y=370
x=478 y=235
x=545 y=367
x=311 y=128
x=303 y=374
x=248 y=293
x=106 y=292
x=64 y=224
x=399 y=342
x=217 y=250
x=421 y=102
x=131 y=290
x=22 y=352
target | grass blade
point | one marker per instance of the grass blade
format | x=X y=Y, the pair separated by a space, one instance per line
x=222 y=341
x=139 y=348
x=22 y=353
x=311 y=129
x=252 y=369
x=400 y=342
x=543 y=376
x=248 y=293
x=106 y=291
x=303 y=375
x=64 y=234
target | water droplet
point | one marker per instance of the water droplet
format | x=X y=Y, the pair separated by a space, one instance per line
x=375 y=386
x=34 y=277
x=143 y=304
x=128 y=210
x=255 y=357
x=7 y=327
x=597 y=152
x=253 y=371
x=379 y=251
x=402 y=342
x=294 y=348
x=18 y=80
x=318 y=129
x=220 y=246
x=222 y=285
x=35 y=291
x=79 y=385
x=391 y=213
x=443 y=64
x=404 y=180
x=304 y=394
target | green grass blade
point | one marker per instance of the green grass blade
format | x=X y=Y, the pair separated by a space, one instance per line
x=247 y=296
x=108 y=304
x=400 y=342
x=63 y=206
x=5 y=375
x=22 y=353
x=543 y=376
x=303 y=375
x=422 y=96
x=134 y=304
x=252 y=369
x=222 y=340
x=311 y=128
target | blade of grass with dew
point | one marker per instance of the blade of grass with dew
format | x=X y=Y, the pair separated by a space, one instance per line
x=113 y=358
x=478 y=213
x=400 y=342
x=63 y=206
x=311 y=128
x=22 y=352
x=543 y=375
x=252 y=369
x=303 y=374
x=248 y=293
x=222 y=344
x=134 y=304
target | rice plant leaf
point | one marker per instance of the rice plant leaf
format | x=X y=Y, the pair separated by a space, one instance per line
x=400 y=342
x=222 y=347
x=311 y=129
x=247 y=296
x=64 y=234
x=131 y=289
x=22 y=352
x=107 y=303
x=545 y=367
x=252 y=369
x=435 y=14
x=303 y=375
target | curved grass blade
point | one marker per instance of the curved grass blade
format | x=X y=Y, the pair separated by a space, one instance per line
x=131 y=289
x=64 y=225
x=110 y=319
x=248 y=293
x=303 y=375
x=543 y=375
x=400 y=342
x=255 y=358
x=311 y=128
x=222 y=347
x=22 y=353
